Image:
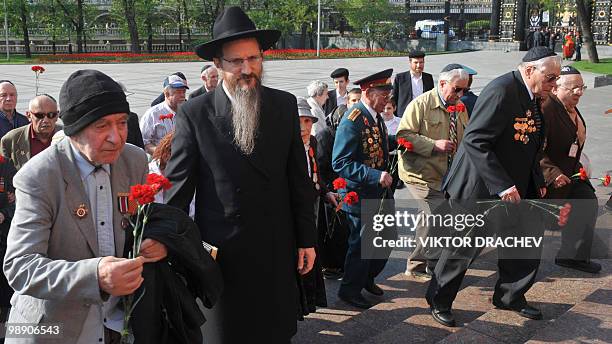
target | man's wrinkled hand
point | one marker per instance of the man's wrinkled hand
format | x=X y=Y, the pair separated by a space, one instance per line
x=152 y=250
x=11 y=197
x=306 y=258
x=386 y=179
x=120 y=276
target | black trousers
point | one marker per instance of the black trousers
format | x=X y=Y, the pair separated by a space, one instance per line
x=577 y=234
x=517 y=266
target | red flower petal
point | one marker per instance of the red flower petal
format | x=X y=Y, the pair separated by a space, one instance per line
x=339 y=183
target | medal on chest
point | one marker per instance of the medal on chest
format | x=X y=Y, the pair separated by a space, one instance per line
x=523 y=126
x=372 y=145
x=127 y=208
x=315 y=171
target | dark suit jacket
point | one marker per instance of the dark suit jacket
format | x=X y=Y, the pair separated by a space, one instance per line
x=489 y=159
x=256 y=209
x=198 y=92
x=134 y=135
x=402 y=89
x=15 y=145
x=560 y=135
x=331 y=102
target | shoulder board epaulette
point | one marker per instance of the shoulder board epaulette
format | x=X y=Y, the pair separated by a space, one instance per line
x=354 y=114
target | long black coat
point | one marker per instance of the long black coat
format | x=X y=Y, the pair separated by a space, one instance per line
x=331 y=103
x=256 y=209
x=489 y=159
x=402 y=90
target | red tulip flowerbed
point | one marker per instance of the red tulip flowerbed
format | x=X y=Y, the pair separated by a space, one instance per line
x=279 y=54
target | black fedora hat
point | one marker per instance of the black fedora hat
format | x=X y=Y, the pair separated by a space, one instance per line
x=233 y=24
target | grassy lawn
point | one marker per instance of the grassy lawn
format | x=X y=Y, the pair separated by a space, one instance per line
x=603 y=67
x=15 y=59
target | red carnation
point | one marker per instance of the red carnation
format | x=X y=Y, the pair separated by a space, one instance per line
x=582 y=173
x=564 y=214
x=166 y=116
x=38 y=69
x=451 y=108
x=2 y=159
x=351 y=198
x=402 y=142
x=606 y=180
x=339 y=183
x=143 y=194
x=460 y=107
x=158 y=182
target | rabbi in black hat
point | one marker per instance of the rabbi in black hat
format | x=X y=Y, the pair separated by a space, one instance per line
x=411 y=84
x=499 y=159
x=566 y=135
x=339 y=95
x=67 y=233
x=239 y=149
x=360 y=156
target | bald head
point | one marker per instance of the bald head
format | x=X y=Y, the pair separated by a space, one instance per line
x=8 y=97
x=42 y=114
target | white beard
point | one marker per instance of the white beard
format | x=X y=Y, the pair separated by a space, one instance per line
x=245 y=117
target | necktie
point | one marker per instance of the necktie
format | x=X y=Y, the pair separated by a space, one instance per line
x=452 y=135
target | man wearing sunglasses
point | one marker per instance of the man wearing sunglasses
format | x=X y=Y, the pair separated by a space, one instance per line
x=434 y=123
x=9 y=117
x=21 y=144
x=499 y=159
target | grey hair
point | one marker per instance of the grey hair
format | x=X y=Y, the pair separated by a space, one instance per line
x=453 y=74
x=209 y=70
x=316 y=88
x=538 y=64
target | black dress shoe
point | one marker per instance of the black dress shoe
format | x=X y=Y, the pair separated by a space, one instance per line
x=445 y=318
x=333 y=274
x=526 y=311
x=374 y=289
x=355 y=300
x=582 y=265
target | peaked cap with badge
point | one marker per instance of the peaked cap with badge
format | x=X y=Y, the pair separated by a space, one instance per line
x=380 y=80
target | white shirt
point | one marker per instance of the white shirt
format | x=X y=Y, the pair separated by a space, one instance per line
x=417 y=84
x=372 y=112
x=341 y=100
x=153 y=129
x=392 y=125
x=306 y=148
x=98 y=188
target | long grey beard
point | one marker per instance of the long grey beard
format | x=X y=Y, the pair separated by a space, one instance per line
x=245 y=117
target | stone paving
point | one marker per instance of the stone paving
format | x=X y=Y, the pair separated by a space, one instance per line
x=577 y=307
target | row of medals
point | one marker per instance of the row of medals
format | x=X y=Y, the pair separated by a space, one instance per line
x=372 y=147
x=523 y=127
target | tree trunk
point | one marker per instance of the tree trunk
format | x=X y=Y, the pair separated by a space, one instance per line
x=80 y=26
x=303 y=35
x=24 y=26
x=587 y=35
x=186 y=20
x=521 y=13
x=149 y=36
x=130 y=16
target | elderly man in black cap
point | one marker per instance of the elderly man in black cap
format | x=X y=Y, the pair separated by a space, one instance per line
x=411 y=84
x=67 y=233
x=565 y=138
x=360 y=156
x=499 y=159
x=239 y=149
x=339 y=95
x=434 y=123
x=210 y=78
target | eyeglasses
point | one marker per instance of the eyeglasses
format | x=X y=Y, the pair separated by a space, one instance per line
x=458 y=90
x=575 y=89
x=41 y=115
x=549 y=77
x=237 y=62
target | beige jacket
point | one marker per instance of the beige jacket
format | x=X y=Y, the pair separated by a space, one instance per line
x=425 y=121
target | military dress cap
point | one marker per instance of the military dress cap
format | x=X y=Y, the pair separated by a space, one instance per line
x=380 y=80
x=415 y=54
x=233 y=24
x=537 y=53
x=304 y=109
x=340 y=72
x=452 y=66
x=568 y=70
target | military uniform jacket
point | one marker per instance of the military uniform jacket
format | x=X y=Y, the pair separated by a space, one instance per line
x=361 y=154
x=256 y=209
x=501 y=146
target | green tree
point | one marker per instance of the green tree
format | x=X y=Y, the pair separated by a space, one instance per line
x=129 y=10
x=369 y=18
